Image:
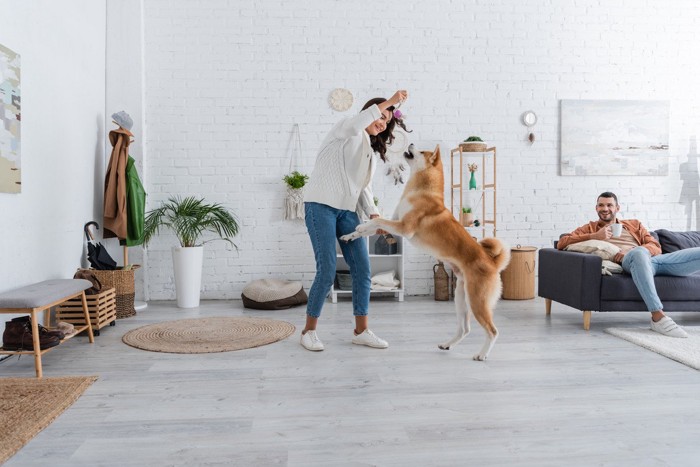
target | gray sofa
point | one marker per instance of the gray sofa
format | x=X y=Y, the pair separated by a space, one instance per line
x=575 y=280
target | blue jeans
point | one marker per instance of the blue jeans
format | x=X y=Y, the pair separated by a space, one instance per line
x=643 y=267
x=325 y=225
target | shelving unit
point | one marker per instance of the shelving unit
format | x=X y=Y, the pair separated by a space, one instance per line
x=486 y=191
x=378 y=263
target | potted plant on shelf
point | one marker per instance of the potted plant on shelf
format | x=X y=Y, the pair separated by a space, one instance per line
x=473 y=144
x=466 y=217
x=294 y=202
x=190 y=218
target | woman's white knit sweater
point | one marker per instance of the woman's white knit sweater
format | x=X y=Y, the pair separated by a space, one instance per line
x=345 y=165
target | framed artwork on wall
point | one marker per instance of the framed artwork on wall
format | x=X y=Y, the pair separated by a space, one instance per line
x=614 y=137
x=10 y=119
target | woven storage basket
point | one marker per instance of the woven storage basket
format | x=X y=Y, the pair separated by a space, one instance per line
x=519 y=277
x=102 y=309
x=472 y=146
x=123 y=282
x=442 y=282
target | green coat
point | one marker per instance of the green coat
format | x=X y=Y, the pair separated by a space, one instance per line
x=135 y=206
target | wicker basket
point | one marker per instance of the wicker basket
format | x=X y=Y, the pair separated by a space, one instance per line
x=519 y=277
x=472 y=146
x=123 y=281
x=442 y=282
x=102 y=309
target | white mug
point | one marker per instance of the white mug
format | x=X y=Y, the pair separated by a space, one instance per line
x=616 y=230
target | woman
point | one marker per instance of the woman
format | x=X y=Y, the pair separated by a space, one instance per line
x=339 y=189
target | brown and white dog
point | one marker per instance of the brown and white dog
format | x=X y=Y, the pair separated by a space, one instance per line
x=422 y=218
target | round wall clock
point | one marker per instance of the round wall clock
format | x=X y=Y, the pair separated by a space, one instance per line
x=340 y=99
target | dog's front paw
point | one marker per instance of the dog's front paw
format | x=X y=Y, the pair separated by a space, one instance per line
x=350 y=237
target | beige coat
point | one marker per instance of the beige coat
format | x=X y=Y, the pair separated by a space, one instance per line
x=115 y=185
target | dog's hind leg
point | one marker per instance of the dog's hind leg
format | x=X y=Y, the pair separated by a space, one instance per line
x=482 y=307
x=462 y=311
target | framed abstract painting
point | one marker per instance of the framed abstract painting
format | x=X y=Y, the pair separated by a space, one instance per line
x=10 y=120
x=614 y=137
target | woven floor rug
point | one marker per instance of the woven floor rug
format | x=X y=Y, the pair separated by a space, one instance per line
x=686 y=351
x=28 y=405
x=207 y=335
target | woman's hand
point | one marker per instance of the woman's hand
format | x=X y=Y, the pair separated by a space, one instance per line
x=379 y=231
x=399 y=97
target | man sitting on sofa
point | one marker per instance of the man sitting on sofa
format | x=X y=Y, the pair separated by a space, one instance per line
x=640 y=255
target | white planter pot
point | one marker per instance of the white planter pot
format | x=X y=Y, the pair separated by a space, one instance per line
x=187 y=263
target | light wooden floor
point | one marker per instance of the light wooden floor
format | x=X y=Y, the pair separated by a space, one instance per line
x=550 y=395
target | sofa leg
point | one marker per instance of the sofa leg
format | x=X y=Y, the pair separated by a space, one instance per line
x=587 y=320
x=548 y=306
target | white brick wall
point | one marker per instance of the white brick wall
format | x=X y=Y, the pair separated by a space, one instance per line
x=226 y=80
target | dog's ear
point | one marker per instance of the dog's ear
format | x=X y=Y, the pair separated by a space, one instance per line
x=435 y=157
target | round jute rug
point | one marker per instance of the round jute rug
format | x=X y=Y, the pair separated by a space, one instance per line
x=207 y=335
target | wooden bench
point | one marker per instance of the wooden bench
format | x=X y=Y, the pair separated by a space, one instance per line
x=41 y=296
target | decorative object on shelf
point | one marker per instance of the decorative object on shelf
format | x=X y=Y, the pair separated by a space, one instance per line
x=466 y=216
x=386 y=245
x=442 y=282
x=473 y=144
x=529 y=119
x=477 y=223
x=340 y=99
x=190 y=218
x=472 y=179
x=295 y=180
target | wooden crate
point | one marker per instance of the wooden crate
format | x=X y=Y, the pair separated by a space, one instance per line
x=102 y=308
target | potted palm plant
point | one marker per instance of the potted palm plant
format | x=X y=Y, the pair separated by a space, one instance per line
x=189 y=219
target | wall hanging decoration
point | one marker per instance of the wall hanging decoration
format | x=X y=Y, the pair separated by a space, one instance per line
x=295 y=180
x=611 y=137
x=10 y=118
x=529 y=119
x=340 y=99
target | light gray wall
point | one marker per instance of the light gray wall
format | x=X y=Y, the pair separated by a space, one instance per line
x=225 y=82
x=62 y=48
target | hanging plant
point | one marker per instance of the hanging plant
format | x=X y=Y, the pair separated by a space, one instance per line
x=296 y=179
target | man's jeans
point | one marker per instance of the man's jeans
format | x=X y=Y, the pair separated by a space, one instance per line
x=643 y=267
x=326 y=224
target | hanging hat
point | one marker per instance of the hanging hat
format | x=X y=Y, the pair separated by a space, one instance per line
x=123 y=120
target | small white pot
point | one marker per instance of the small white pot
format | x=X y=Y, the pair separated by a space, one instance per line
x=187 y=263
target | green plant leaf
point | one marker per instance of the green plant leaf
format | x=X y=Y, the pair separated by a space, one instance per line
x=296 y=179
x=190 y=218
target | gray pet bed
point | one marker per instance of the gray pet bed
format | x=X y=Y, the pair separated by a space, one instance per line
x=273 y=294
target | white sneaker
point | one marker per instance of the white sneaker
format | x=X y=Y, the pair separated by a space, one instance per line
x=668 y=327
x=370 y=340
x=310 y=341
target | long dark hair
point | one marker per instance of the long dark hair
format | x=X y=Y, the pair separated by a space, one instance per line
x=386 y=137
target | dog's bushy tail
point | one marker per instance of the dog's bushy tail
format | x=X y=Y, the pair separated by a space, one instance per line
x=498 y=251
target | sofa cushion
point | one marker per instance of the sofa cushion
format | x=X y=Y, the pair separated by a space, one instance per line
x=599 y=248
x=674 y=241
x=621 y=287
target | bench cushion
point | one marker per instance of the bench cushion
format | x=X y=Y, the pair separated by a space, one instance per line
x=42 y=293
